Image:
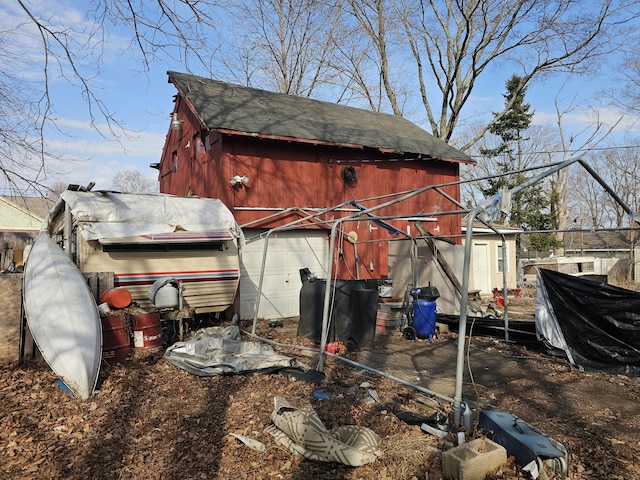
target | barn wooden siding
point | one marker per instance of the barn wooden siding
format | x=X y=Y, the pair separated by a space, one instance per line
x=287 y=173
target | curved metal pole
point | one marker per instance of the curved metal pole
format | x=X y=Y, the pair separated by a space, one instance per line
x=327 y=295
x=264 y=255
x=462 y=322
x=505 y=260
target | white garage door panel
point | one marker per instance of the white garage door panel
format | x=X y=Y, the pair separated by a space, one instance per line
x=288 y=252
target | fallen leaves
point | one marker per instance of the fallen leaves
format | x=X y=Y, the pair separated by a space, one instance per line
x=150 y=420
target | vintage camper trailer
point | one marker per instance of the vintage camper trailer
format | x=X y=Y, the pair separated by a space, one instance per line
x=144 y=238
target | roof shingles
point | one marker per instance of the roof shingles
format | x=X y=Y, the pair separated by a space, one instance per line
x=222 y=106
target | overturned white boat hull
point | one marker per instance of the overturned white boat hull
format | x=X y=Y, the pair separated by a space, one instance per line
x=62 y=316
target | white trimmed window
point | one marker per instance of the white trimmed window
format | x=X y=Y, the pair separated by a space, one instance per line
x=503 y=258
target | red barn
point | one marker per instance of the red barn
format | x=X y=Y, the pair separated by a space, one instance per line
x=274 y=158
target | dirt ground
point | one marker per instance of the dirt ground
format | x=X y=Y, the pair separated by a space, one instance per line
x=151 y=420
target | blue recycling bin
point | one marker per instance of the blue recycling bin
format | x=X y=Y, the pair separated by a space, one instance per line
x=424 y=311
x=424 y=318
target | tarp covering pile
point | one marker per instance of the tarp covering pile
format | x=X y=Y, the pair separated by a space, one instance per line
x=120 y=215
x=597 y=325
x=302 y=431
x=221 y=351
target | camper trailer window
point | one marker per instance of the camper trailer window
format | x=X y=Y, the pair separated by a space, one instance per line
x=163 y=247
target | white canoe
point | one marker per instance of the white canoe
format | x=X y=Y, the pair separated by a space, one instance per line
x=62 y=316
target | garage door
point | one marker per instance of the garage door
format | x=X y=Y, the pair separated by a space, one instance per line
x=287 y=253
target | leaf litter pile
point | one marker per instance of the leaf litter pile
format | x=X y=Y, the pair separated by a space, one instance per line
x=151 y=420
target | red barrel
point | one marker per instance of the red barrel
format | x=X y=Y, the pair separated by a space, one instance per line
x=147 y=331
x=116 y=297
x=116 y=345
x=381 y=322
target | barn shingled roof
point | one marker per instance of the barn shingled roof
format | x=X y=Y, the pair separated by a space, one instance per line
x=223 y=106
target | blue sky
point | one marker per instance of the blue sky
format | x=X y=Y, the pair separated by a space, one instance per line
x=143 y=101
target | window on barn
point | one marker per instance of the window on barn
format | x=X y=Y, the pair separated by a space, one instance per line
x=206 y=140
x=197 y=145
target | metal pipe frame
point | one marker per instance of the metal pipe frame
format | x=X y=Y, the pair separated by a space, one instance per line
x=288 y=226
x=480 y=212
x=482 y=209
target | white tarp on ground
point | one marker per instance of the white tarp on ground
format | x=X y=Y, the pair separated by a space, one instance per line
x=221 y=351
x=121 y=215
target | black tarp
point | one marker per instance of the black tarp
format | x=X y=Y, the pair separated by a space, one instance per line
x=596 y=324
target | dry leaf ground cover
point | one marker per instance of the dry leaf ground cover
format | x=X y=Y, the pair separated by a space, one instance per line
x=150 y=420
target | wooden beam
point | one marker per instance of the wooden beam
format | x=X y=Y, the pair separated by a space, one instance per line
x=99 y=282
x=439 y=257
x=27 y=348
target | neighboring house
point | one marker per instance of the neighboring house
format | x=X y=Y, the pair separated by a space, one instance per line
x=599 y=255
x=602 y=244
x=20 y=220
x=275 y=158
x=490 y=259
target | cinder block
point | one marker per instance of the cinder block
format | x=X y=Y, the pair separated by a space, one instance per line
x=473 y=460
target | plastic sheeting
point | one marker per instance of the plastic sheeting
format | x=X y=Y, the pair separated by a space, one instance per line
x=121 y=215
x=221 y=351
x=597 y=325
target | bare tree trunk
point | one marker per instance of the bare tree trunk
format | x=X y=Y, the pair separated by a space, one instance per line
x=632 y=257
x=453 y=43
x=560 y=180
x=559 y=185
x=372 y=17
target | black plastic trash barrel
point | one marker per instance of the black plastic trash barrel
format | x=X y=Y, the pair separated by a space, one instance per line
x=353 y=318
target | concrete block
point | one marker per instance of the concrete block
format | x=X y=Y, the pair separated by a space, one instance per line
x=473 y=460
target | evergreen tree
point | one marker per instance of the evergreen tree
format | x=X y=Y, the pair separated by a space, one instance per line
x=530 y=208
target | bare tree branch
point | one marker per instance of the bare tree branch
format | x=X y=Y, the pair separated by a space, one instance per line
x=72 y=49
x=291 y=44
x=459 y=41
